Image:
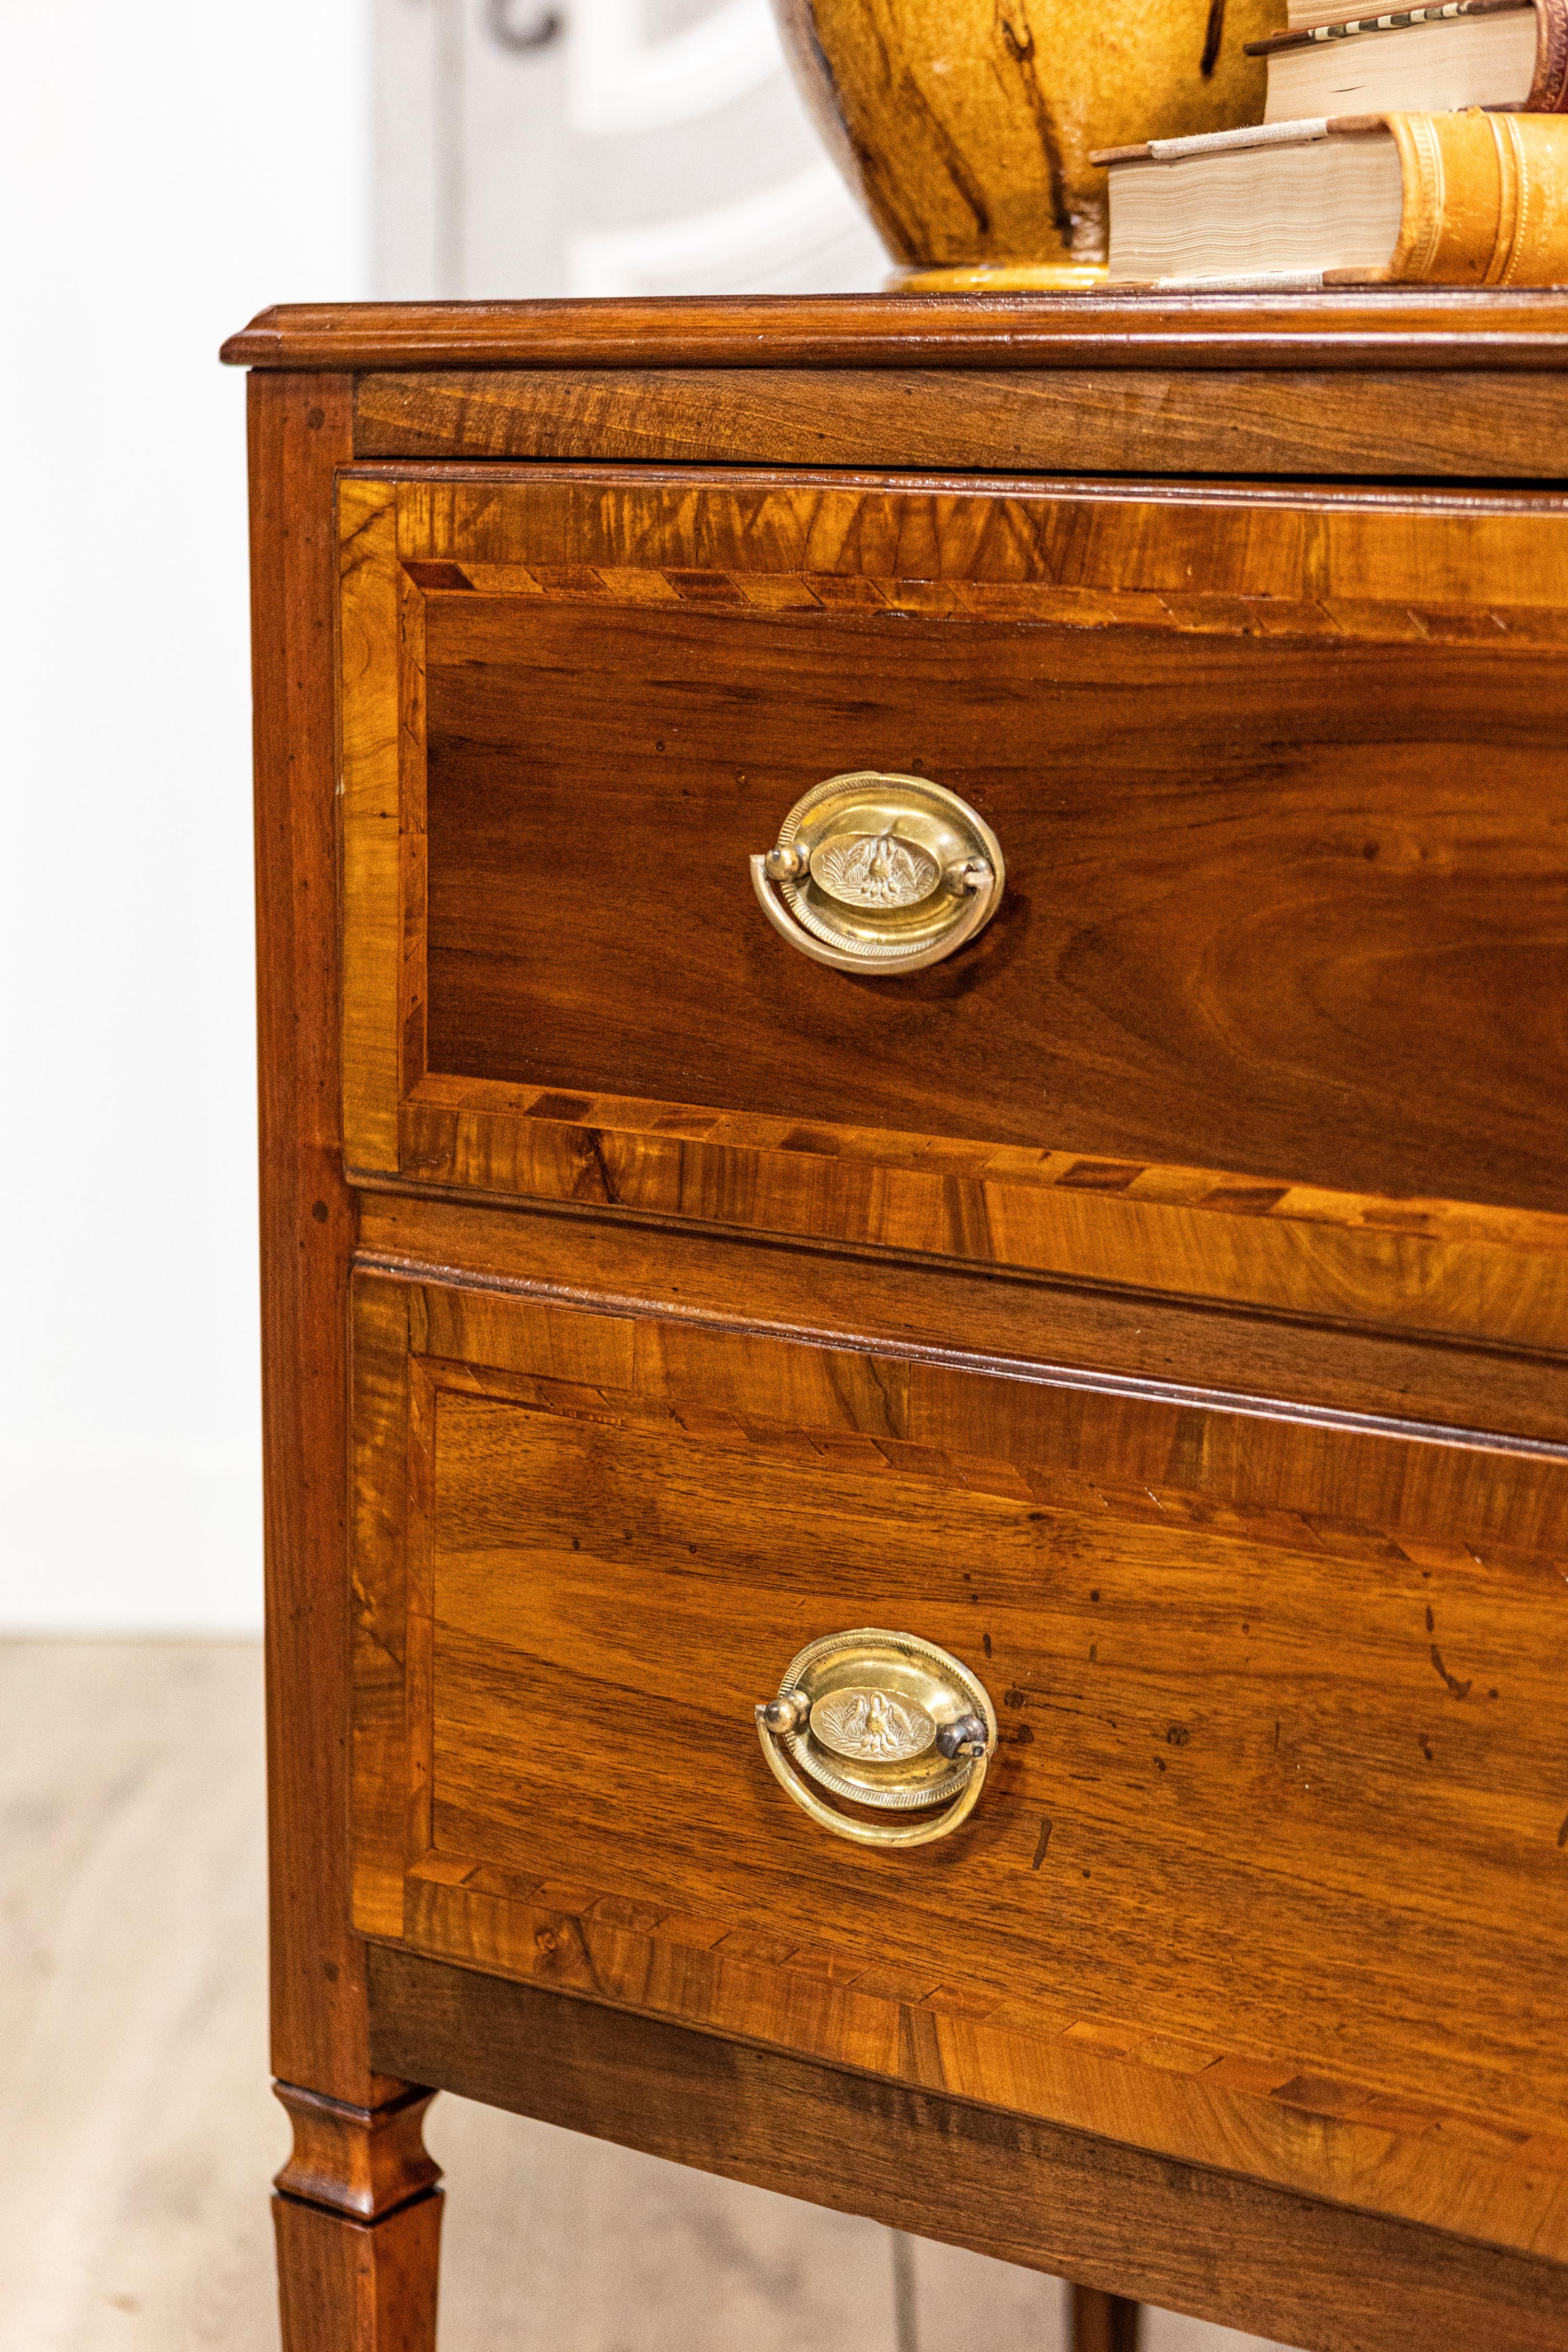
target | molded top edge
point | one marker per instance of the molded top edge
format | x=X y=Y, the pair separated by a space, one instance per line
x=1428 y=327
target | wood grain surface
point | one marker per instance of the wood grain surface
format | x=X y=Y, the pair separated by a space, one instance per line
x=1482 y=423
x=362 y=2161
x=344 y=2285
x=1371 y=781
x=1403 y=328
x=298 y=435
x=1250 y=2256
x=1430 y=1268
x=351 y=2287
x=1191 y=1353
x=1104 y=2323
x=1292 y=1676
x=1162 y=1307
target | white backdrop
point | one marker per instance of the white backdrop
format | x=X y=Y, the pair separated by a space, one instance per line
x=647 y=147
x=164 y=170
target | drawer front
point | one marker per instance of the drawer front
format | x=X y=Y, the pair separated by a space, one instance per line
x=1270 y=1871
x=1269 y=1012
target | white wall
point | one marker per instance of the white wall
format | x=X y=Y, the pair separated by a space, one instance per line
x=651 y=147
x=164 y=170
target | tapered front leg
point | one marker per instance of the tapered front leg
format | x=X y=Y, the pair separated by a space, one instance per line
x=344 y=2286
x=358 y=2218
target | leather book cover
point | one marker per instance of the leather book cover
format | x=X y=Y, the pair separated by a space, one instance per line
x=1486 y=200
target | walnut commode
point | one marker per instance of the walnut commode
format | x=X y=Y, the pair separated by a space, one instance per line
x=915 y=1217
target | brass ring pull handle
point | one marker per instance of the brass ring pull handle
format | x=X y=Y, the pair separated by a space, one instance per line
x=879 y=874
x=887 y=1723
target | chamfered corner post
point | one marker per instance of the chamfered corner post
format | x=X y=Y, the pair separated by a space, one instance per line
x=357 y=2208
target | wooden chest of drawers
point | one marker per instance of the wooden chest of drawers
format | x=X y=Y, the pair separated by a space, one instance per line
x=1160 y=1304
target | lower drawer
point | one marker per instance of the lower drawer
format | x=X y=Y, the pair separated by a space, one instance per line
x=1270 y=1869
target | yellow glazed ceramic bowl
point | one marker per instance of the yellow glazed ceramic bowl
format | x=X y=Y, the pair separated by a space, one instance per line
x=965 y=126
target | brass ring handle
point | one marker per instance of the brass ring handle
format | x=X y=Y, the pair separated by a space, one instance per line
x=887 y=1722
x=878 y=873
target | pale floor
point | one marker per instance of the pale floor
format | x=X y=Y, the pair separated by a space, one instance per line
x=137 y=2133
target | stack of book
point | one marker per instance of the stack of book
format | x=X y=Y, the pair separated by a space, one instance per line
x=1425 y=147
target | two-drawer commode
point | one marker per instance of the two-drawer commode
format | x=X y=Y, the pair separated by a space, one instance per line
x=915 y=1136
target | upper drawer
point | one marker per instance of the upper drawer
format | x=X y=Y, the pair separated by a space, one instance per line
x=1271 y=1010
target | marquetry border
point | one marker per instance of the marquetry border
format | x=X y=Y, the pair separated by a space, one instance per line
x=1285 y=2118
x=1283 y=2122
x=1424 y=1265
x=1182 y=612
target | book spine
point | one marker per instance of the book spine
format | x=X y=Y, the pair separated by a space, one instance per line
x=1486 y=200
x=1549 y=90
x=1355 y=28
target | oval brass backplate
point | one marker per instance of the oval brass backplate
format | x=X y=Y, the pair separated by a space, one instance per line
x=886 y=1722
x=880 y=873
